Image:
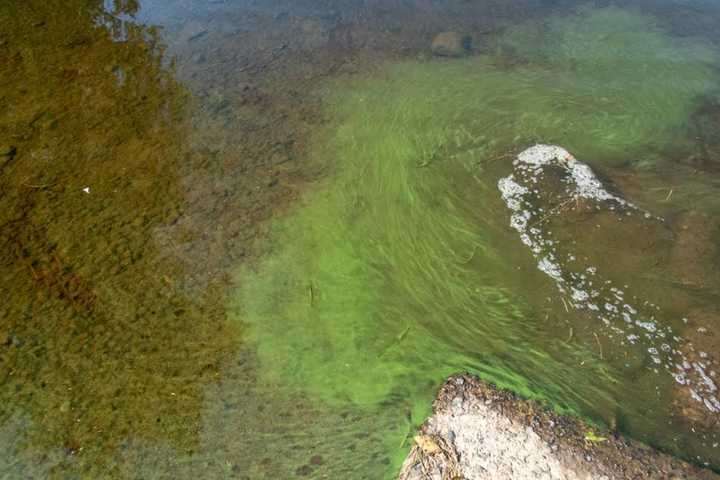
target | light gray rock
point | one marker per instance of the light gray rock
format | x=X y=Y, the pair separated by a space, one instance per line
x=479 y=432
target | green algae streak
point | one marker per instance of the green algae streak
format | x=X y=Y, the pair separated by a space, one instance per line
x=398 y=268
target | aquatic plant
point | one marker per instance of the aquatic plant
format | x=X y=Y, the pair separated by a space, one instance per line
x=608 y=84
x=398 y=268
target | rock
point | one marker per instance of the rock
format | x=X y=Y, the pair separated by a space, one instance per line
x=451 y=44
x=498 y=441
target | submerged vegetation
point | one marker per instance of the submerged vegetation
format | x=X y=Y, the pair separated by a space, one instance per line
x=398 y=268
x=182 y=302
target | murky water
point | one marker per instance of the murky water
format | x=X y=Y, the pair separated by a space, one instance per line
x=248 y=239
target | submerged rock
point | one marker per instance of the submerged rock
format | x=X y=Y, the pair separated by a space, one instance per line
x=451 y=44
x=478 y=431
x=549 y=187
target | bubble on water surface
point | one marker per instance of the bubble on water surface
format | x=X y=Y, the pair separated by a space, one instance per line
x=611 y=308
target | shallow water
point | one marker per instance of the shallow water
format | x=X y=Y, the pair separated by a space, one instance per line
x=248 y=239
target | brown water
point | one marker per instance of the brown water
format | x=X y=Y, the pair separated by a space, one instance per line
x=147 y=149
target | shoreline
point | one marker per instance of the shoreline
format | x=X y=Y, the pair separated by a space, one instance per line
x=478 y=431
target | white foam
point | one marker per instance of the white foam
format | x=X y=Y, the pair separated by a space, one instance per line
x=521 y=191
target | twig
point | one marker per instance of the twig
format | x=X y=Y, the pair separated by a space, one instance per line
x=552 y=212
x=569 y=336
x=403 y=333
x=407 y=434
x=500 y=157
x=40 y=187
x=427 y=162
x=669 y=195
x=397 y=340
x=599 y=345
x=565 y=305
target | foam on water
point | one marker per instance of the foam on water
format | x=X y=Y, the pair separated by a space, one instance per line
x=588 y=291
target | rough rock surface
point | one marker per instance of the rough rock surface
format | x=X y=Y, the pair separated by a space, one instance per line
x=481 y=432
x=450 y=44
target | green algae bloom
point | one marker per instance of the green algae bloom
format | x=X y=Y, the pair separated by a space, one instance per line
x=399 y=269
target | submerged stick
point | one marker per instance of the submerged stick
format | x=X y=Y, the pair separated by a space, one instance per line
x=555 y=210
x=501 y=156
x=403 y=333
x=430 y=159
x=398 y=339
x=599 y=345
x=39 y=187
x=407 y=434
x=565 y=305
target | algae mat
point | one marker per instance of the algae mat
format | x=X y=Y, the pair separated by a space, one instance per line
x=398 y=268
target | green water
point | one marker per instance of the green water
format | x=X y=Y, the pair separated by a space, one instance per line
x=397 y=268
x=251 y=239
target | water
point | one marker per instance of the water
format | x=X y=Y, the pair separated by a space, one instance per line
x=249 y=239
